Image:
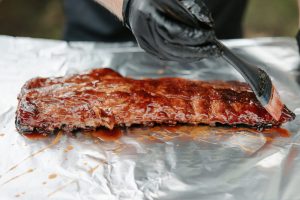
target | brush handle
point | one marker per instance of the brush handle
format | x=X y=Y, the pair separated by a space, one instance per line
x=257 y=78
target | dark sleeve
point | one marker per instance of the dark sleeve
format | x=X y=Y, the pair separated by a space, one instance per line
x=228 y=16
x=86 y=20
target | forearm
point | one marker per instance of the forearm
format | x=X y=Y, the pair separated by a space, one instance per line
x=114 y=6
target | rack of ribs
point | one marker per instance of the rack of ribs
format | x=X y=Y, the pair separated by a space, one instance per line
x=103 y=98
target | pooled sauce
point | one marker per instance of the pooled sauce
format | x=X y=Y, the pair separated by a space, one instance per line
x=271 y=134
x=281 y=131
x=107 y=135
x=69 y=148
x=35 y=136
x=164 y=132
x=52 y=176
x=103 y=134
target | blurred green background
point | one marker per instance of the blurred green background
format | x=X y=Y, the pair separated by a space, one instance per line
x=45 y=18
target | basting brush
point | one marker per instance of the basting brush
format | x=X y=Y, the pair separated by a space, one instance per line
x=258 y=80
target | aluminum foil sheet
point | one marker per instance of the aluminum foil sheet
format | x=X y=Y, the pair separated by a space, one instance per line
x=148 y=163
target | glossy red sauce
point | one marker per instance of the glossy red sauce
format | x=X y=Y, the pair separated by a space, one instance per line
x=281 y=131
x=35 y=136
x=271 y=134
x=107 y=135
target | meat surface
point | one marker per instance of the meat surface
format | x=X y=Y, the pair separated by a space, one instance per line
x=104 y=98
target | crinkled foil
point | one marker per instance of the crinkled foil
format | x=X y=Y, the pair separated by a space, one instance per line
x=148 y=163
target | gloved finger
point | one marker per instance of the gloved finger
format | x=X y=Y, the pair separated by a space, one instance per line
x=180 y=54
x=186 y=53
x=189 y=53
x=186 y=12
x=167 y=51
x=199 y=10
x=145 y=38
x=180 y=34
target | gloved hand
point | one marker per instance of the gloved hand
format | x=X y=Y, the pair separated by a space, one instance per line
x=179 y=30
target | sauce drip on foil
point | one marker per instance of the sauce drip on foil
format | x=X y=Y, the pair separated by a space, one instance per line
x=107 y=135
x=271 y=134
x=103 y=134
x=167 y=132
x=35 y=136
x=52 y=176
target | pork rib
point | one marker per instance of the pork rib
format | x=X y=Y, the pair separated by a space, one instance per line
x=104 y=98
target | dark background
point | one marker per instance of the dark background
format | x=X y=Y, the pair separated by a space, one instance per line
x=45 y=18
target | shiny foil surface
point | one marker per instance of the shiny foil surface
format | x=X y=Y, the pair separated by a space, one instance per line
x=165 y=163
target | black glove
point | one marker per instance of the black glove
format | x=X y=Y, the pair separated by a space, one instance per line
x=180 y=30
